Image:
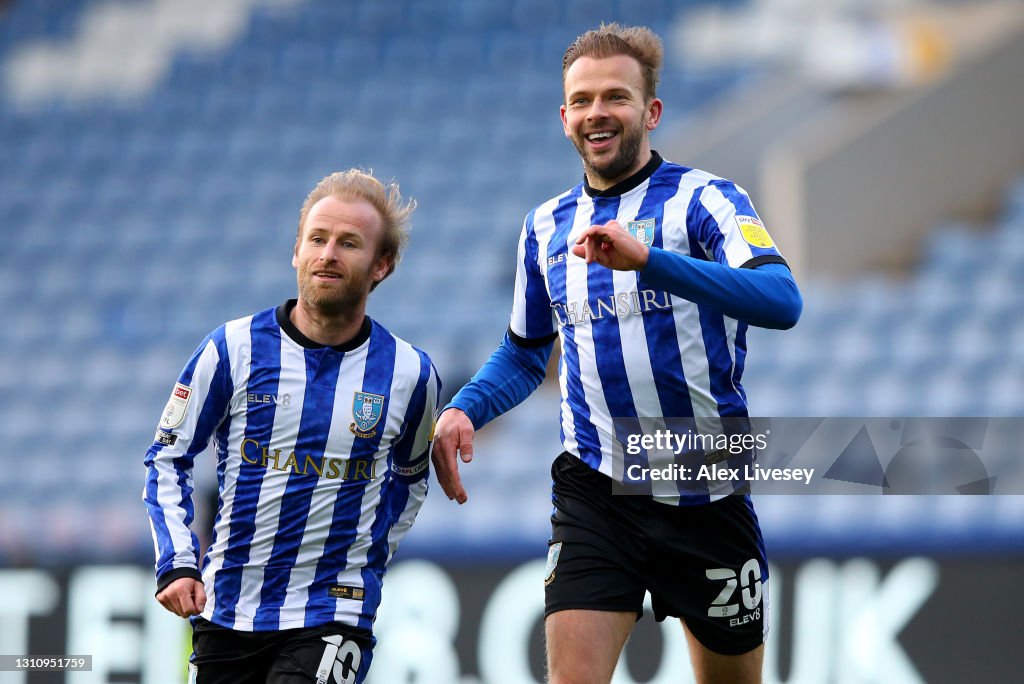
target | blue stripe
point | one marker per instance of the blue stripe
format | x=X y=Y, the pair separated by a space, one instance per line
x=611 y=363
x=714 y=235
x=720 y=365
x=394 y=498
x=322 y=370
x=741 y=358
x=744 y=208
x=586 y=434
x=401 y=454
x=712 y=324
x=223 y=431
x=537 y=307
x=264 y=376
x=213 y=409
x=377 y=377
x=706 y=238
x=749 y=504
x=660 y=324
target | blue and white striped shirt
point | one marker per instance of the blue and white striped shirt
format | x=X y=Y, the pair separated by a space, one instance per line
x=630 y=349
x=322 y=465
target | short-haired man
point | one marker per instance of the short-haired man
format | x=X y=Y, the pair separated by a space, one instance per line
x=321 y=420
x=652 y=320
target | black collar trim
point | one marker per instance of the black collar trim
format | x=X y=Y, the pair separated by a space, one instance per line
x=284 y=320
x=624 y=186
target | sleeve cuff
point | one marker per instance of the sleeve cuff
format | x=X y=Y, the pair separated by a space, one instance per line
x=766 y=259
x=177 y=573
x=531 y=342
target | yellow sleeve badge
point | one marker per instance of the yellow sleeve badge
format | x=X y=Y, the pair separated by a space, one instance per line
x=754 y=233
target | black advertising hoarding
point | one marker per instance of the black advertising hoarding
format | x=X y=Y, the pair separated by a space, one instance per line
x=893 y=620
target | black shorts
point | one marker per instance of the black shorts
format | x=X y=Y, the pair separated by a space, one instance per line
x=289 y=656
x=705 y=563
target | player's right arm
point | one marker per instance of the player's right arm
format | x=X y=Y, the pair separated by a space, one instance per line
x=512 y=373
x=197 y=406
x=508 y=377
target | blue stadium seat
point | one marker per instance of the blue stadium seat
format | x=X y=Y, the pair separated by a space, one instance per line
x=192 y=196
x=529 y=15
x=586 y=14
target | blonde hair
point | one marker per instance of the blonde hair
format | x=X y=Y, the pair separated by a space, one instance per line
x=609 y=40
x=356 y=185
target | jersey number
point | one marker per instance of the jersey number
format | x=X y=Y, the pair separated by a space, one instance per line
x=749 y=581
x=341 y=658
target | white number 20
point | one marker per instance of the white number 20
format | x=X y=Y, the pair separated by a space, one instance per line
x=749 y=581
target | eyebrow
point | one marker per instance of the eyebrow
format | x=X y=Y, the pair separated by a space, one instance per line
x=612 y=90
x=324 y=229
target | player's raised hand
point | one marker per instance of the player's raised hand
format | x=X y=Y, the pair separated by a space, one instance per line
x=183 y=597
x=611 y=246
x=453 y=435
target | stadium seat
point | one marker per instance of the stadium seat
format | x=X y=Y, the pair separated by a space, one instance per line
x=178 y=212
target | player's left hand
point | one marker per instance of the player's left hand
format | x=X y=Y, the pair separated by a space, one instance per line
x=611 y=246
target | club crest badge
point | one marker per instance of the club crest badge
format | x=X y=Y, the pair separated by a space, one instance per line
x=366 y=412
x=553 y=552
x=642 y=230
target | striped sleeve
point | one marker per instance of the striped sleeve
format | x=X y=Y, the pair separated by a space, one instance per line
x=532 y=315
x=411 y=459
x=724 y=222
x=410 y=467
x=197 y=405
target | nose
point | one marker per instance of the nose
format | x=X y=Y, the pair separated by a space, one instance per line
x=597 y=110
x=328 y=251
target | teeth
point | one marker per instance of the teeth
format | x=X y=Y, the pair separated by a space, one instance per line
x=599 y=136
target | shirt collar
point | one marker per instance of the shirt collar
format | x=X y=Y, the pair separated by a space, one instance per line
x=284 y=320
x=626 y=184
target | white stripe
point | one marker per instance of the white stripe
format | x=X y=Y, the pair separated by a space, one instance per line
x=576 y=291
x=238 y=341
x=544 y=226
x=424 y=422
x=737 y=250
x=418 y=490
x=632 y=334
x=517 y=322
x=292 y=380
x=321 y=505
x=689 y=336
x=168 y=490
x=400 y=393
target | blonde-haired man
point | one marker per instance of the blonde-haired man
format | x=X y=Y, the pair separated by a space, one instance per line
x=649 y=274
x=321 y=420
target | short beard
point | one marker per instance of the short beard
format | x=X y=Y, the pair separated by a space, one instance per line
x=340 y=304
x=629 y=150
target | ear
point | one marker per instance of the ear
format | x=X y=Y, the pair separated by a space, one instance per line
x=381 y=268
x=654 y=110
x=565 y=122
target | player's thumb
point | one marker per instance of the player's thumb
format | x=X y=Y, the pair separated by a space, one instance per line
x=466 y=446
x=200 y=596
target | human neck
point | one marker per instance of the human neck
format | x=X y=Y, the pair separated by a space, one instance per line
x=329 y=329
x=628 y=182
x=600 y=183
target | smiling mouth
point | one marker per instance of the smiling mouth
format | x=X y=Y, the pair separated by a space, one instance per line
x=600 y=136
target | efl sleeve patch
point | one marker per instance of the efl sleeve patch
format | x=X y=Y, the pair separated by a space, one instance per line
x=754 y=233
x=174 y=412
